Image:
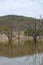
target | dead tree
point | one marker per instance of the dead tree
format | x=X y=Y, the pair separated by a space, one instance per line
x=35 y=33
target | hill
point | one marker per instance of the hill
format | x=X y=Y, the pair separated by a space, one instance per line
x=18 y=21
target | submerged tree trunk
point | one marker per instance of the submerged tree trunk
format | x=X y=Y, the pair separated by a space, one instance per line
x=18 y=37
x=10 y=40
x=10 y=45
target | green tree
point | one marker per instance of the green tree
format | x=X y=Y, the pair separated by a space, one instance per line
x=28 y=33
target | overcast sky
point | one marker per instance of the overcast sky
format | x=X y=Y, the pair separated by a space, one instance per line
x=30 y=8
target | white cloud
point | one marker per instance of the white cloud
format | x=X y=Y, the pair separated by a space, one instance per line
x=21 y=7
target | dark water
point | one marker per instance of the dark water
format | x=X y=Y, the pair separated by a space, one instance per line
x=25 y=60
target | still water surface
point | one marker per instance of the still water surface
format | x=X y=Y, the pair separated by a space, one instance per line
x=25 y=60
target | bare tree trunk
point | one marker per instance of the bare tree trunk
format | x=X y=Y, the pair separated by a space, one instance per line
x=28 y=37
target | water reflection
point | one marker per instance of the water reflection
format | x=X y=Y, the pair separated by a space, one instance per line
x=20 y=47
x=32 y=60
x=24 y=48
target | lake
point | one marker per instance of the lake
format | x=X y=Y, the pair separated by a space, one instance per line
x=25 y=60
